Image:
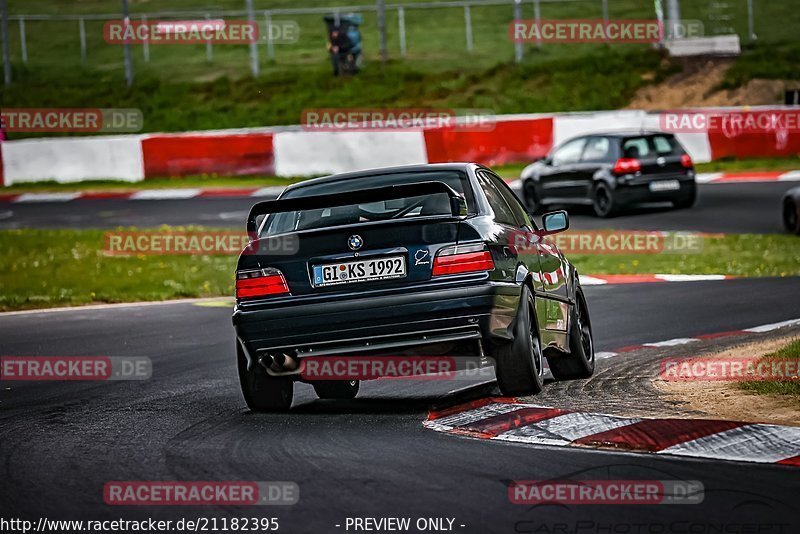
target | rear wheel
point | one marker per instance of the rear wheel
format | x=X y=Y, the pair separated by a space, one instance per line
x=687 y=201
x=791 y=216
x=337 y=389
x=604 y=201
x=262 y=392
x=580 y=362
x=520 y=369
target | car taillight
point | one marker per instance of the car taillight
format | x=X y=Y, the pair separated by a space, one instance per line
x=686 y=161
x=260 y=283
x=462 y=259
x=627 y=166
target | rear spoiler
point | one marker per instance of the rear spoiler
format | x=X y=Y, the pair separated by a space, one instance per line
x=458 y=205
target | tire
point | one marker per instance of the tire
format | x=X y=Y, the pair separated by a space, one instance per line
x=687 y=201
x=580 y=362
x=604 y=201
x=262 y=392
x=337 y=389
x=520 y=364
x=791 y=216
x=531 y=199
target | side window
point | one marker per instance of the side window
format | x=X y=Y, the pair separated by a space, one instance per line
x=502 y=212
x=597 y=149
x=569 y=153
x=520 y=215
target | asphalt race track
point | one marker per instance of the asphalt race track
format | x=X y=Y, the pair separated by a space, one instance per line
x=61 y=441
x=729 y=207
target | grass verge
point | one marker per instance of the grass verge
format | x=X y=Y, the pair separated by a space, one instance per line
x=745 y=255
x=777 y=387
x=49 y=268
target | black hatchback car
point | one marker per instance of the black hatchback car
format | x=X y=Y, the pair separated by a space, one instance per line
x=611 y=171
x=396 y=261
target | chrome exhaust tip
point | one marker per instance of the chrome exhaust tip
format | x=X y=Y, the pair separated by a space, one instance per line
x=280 y=363
x=290 y=363
x=266 y=361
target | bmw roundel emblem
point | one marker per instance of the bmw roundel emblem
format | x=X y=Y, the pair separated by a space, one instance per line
x=355 y=242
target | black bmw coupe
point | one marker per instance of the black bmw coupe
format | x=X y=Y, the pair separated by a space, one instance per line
x=399 y=261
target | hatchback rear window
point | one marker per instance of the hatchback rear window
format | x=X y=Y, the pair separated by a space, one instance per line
x=651 y=146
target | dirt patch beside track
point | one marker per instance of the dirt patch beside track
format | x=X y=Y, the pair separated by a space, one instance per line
x=698 y=85
x=725 y=399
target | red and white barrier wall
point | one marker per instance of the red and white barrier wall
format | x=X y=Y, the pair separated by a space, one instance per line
x=223 y=154
x=72 y=159
x=292 y=151
x=305 y=153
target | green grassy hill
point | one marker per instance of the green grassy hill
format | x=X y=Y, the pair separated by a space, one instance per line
x=178 y=89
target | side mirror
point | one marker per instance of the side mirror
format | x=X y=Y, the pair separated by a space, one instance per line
x=555 y=221
x=547 y=160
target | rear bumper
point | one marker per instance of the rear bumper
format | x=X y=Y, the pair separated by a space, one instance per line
x=639 y=192
x=392 y=320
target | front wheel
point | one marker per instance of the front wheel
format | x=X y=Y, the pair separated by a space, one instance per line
x=262 y=392
x=337 y=389
x=519 y=365
x=604 y=201
x=580 y=361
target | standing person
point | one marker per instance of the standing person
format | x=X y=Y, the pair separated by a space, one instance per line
x=344 y=43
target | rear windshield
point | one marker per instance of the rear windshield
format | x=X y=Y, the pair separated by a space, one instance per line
x=651 y=146
x=413 y=206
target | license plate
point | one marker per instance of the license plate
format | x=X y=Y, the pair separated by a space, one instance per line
x=665 y=185
x=349 y=272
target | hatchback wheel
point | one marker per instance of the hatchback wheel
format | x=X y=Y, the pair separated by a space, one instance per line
x=686 y=201
x=531 y=198
x=604 y=201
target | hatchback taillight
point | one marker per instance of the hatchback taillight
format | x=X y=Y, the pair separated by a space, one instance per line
x=686 y=161
x=460 y=259
x=627 y=166
x=260 y=283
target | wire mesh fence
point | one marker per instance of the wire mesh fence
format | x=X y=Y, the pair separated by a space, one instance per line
x=460 y=33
